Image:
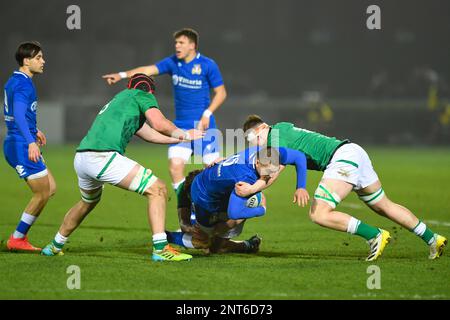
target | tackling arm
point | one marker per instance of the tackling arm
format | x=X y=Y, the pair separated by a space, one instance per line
x=149 y=134
x=161 y=124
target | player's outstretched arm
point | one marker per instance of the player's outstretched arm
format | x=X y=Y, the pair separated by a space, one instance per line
x=298 y=159
x=113 y=78
x=149 y=134
x=161 y=124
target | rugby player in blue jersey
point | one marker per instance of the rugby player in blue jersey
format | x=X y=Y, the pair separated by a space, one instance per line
x=220 y=211
x=193 y=77
x=23 y=140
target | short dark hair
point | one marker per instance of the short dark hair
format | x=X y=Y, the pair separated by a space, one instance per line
x=27 y=50
x=191 y=34
x=142 y=82
x=252 y=121
x=188 y=182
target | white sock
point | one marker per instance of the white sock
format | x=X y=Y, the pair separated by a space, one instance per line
x=420 y=229
x=187 y=241
x=353 y=225
x=59 y=238
x=176 y=185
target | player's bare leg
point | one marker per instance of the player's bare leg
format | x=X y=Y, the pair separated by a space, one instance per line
x=72 y=220
x=156 y=194
x=40 y=188
x=327 y=196
x=75 y=216
x=52 y=183
x=41 y=193
x=404 y=217
x=176 y=170
x=324 y=214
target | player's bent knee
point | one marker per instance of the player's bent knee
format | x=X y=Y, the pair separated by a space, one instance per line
x=373 y=199
x=157 y=189
x=324 y=194
x=142 y=181
x=319 y=211
x=91 y=198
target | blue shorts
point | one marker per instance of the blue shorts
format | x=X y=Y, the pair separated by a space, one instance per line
x=207 y=212
x=208 y=218
x=16 y=154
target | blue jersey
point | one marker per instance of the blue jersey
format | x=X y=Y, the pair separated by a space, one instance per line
x=20 y=107
x=192 y=83
x=211 y=189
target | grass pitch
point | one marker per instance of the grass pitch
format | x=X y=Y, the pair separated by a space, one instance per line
x=298 y=260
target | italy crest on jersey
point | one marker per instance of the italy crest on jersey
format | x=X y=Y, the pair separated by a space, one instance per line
x=197 y=69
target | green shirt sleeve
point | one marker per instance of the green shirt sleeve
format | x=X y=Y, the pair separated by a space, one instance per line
x=146 y=101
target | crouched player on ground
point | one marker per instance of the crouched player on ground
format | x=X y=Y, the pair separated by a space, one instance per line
x=100 y=159
x=220 y=212
x=346 y=167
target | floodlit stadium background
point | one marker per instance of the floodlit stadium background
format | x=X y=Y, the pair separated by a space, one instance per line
x=314 y=63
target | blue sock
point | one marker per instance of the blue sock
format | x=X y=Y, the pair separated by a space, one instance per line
x=175 y=238
x=25 y=223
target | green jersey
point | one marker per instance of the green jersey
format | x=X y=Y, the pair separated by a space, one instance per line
x=118 y=121
x=317 y=148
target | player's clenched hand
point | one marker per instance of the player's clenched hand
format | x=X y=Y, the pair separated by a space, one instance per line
x=33 y=152
x=243 y=189
x=41 y=139
x=195 y=134
x=112 y=78
x=301 y=197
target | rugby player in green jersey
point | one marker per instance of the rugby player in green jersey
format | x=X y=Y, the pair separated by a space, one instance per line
x=100 y=159
x=346 y=167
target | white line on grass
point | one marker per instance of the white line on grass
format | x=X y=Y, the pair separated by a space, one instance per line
x=438 y=223
x=235 y=294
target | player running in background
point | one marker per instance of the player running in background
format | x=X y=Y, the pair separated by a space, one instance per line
x=220 y=212
x=346 y=167
x=100 y=159
x=23 y=140
x=193 y=77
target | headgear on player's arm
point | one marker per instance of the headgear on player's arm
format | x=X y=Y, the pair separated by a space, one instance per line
x=142 y=82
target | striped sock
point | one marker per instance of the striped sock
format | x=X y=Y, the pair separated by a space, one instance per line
x=59 y=241
x=159 y=241
x=423 y=232
x=26 y=221
x=359 y=228
x=177 y=185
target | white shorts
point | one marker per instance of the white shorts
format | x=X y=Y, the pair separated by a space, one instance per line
x=96 y=168
x=185 y=154
x=234 y=232
x=351 y=164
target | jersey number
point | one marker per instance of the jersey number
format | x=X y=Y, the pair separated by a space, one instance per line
x=231 y=160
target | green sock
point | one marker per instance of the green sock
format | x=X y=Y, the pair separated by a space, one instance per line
x=366 y=231
x=424 y=232
x=159 y=245
x=57 y=245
